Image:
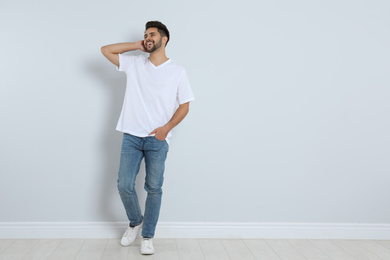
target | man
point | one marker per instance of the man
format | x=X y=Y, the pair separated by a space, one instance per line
x=154 y=88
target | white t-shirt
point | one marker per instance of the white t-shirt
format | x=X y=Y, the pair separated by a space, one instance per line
x=152 y=94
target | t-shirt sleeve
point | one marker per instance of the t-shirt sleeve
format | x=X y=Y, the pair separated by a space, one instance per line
x=184 y=92
x=125 y=62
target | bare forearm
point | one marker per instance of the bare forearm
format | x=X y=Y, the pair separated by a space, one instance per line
x=179 y=115
x=120 y=47
x=181 y=112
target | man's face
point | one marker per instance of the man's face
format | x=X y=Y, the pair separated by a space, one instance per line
x=152 y=39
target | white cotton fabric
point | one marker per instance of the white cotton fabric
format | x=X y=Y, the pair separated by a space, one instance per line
x=152 y=94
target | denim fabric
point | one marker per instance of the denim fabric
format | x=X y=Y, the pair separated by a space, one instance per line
x=134 y=149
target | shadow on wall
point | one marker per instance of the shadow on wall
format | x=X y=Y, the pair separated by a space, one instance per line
x=114 y=83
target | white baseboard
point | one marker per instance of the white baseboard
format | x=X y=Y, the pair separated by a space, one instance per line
x=10 y=230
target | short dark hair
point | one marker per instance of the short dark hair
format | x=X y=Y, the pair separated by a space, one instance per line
x=162 y=29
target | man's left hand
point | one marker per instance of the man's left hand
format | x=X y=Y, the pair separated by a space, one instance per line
x=160 y=133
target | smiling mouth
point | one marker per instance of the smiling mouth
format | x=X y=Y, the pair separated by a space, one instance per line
x=149 y=44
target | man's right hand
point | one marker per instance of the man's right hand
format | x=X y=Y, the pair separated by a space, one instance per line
x=141 y=46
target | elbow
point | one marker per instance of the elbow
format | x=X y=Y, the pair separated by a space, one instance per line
x=103 y=49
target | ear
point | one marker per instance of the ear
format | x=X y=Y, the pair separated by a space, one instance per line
x=165 y=39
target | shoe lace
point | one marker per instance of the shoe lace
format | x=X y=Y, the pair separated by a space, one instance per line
x=146 y=242
x=128 y=231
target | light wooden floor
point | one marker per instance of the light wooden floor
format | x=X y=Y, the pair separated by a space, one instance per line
x=180 y=249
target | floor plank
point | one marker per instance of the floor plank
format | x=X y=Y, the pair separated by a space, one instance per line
x=385 y=243
x=261 y=250
x=189 y=249
x=5 y=243
x=375 y=247
x=42 y=250
x=284 y=249
x=195 y=249
x=18 y=249
x=134 y=254
x=355 y=250
x=67 y=249
x=213 y=249
x=308 y=249
x=92 y=249
x=237 y=249
x=114 y=250
x=165 y=249
x=332 y=249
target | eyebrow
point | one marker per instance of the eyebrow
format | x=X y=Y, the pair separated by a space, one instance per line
x=150 y=33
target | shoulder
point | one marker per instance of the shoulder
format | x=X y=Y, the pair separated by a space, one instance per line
x=176 y=67
x=173 y=64
x=141 y=57
x=132 y=57
x=127 y=62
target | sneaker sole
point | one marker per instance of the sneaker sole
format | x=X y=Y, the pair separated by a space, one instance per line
x=146 y=253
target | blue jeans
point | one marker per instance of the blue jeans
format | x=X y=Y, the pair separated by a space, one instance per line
x=134 y=149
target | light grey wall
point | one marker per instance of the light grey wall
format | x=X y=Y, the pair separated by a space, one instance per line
x=290 y=122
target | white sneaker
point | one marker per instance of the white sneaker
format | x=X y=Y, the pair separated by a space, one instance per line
x=130 y=235
x=147 y=247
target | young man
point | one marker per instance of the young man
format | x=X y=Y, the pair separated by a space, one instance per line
x=155 y=86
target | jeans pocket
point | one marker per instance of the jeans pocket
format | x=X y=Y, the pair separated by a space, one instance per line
x=158 y=139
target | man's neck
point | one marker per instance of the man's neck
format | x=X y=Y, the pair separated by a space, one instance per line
x=158 y=57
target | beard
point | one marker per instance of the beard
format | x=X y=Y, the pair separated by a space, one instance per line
x=155 y=46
